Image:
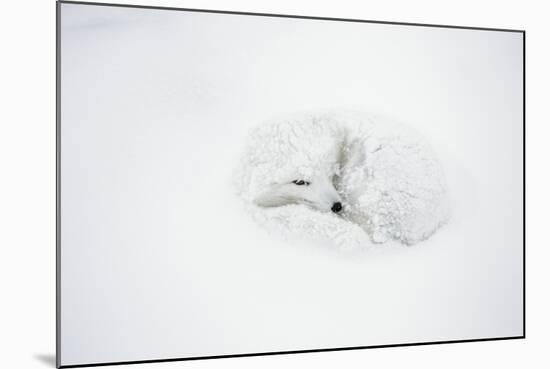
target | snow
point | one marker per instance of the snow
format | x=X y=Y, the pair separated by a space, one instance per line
x=160 y=259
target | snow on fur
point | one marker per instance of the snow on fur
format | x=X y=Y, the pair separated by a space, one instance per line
x=386 y=176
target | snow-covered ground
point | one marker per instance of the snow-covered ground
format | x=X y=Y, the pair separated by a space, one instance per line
x=159 y=258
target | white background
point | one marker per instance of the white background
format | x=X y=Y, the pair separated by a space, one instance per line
x=28 y=188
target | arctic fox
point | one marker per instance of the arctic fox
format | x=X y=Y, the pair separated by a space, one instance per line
x=372 y=172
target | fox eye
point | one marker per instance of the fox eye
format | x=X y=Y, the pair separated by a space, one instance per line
x=300 y=182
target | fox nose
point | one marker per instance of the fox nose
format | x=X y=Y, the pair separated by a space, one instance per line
x=336 y=207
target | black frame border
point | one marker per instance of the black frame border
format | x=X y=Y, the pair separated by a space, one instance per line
x=58 y=183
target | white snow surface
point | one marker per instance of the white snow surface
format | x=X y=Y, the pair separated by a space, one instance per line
x=389 y=178
x=158 y=256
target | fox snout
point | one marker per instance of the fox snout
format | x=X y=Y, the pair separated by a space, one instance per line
x=317 y=192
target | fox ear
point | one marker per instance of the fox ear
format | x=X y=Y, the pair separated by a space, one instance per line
x=272 y=198
x=353 y=153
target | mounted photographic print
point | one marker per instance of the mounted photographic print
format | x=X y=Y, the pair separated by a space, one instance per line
x=234 y=184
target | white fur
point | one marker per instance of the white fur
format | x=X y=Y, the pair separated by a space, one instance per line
x=385 y=175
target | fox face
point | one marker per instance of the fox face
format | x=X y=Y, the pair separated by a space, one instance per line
x=317 y=192
x=297 y=161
